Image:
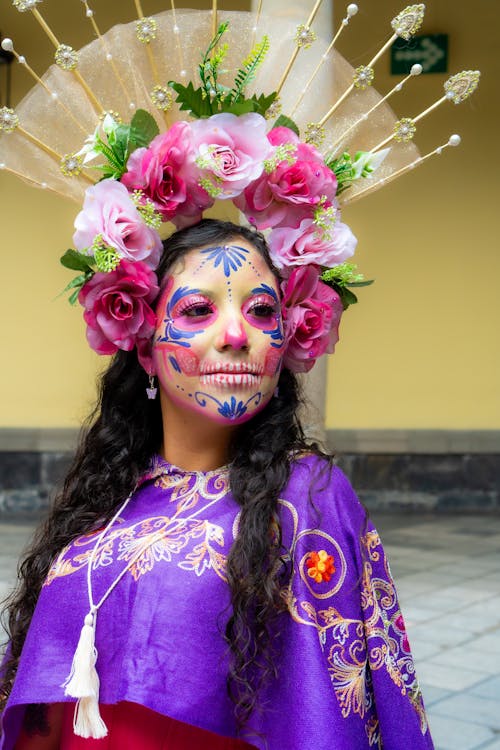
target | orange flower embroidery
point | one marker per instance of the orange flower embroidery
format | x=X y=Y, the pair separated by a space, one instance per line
x=320 y=566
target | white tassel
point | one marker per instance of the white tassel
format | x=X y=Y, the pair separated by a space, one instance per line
x=87 y=721
x=83 y=683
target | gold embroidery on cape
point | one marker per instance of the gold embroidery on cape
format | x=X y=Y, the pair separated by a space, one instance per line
x=161 y=537
x=356 y=648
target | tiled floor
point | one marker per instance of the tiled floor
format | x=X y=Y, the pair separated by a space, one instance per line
x=447 y=568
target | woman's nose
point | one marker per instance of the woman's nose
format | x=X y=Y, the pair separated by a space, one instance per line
x=232 y=335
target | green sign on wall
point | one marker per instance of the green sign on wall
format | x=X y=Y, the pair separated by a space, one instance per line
x=430 y=50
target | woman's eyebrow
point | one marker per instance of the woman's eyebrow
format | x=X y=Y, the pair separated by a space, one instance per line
x=264 y=289
x=193 y=290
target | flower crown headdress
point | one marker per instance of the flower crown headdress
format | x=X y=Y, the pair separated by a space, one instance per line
x=146 y=130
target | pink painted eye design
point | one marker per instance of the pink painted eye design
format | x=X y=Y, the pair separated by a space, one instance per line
x=198 y=309
x=193 y=305
x=262 y=307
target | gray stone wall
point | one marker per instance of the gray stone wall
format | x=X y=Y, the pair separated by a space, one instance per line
x=28 y=479
x=443 y=482
x=413 y=481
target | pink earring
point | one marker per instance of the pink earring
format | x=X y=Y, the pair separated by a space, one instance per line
x=152 y=390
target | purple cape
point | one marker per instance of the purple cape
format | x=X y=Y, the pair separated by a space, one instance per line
x=345 y=679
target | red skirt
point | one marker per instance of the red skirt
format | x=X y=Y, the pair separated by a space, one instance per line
x=130 y=727
x=134 y=727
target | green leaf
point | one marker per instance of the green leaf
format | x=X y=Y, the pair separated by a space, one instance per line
x=263 y=102
x=76 y=284
x=191 y=99
x=121 y=145
x=108 y=171
x=110 y=155
x=143 y=128
x=238 y=108
x=286 y=122
x=73 y=298
x=76 y=261
x=341 y=186
x=368 y=282
x=347 y=297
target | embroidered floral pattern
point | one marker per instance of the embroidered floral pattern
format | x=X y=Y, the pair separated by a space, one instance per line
x=356 y=648
x=320 y=566
x=162 y=538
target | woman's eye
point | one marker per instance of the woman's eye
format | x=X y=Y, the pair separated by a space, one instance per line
x=198 y=310
x=262 y=310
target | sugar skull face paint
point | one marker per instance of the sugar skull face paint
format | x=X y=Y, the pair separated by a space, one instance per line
x=218 y=344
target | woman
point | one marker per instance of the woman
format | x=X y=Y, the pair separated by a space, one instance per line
x=238 y=591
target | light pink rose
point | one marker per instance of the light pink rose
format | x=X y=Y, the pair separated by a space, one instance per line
x=230 y=150
x=117 y=307
x=291 y=191
x=305 y=245
x=166 y=173
x=109 y=211
x=311 y=314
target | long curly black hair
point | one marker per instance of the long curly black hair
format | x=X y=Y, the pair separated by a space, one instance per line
x=120 y=437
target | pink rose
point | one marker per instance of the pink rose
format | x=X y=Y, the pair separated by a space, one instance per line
x=305 y=245
x=311 y=314
x=230 y=150
x=166 y=173
x=117 y=307
x=109 y=211
x=292 y=190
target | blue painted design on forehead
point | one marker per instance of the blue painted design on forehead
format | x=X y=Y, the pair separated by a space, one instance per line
x=231 y=257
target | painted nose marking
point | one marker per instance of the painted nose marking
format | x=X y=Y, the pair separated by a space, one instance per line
x=235 y=335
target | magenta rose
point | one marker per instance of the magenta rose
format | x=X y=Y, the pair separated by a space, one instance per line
x=311 y=314
x=289 y=193
x=118 y=307
x=166 y=173
x=108 y=211
x=306 y=245
x=230 y=150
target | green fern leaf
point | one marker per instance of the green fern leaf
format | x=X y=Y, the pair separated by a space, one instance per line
x=249 y=67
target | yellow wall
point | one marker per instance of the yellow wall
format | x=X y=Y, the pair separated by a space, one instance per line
x=422 y=350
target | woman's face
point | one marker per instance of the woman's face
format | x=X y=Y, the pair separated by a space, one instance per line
x=218 y=344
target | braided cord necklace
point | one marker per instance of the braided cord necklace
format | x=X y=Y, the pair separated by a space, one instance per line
x=83 y=682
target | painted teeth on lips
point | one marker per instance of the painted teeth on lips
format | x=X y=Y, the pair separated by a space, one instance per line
x=230 y=379
x=209 y=368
